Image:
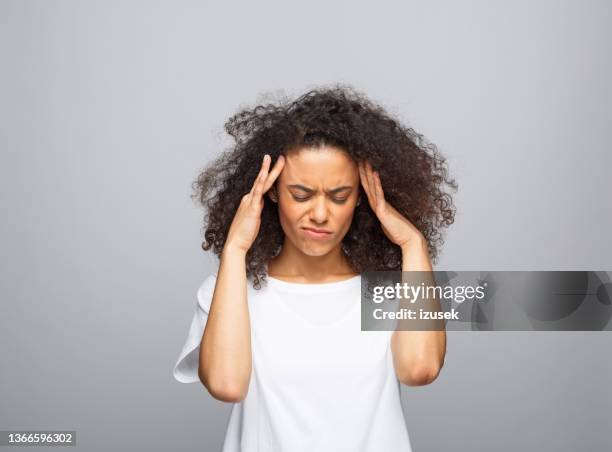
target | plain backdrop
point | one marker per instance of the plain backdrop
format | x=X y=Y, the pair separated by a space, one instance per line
x=108 y=110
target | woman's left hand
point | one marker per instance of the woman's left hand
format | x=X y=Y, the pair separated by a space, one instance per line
x=395 y=226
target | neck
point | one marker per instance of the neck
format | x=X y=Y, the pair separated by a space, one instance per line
x=292 y=263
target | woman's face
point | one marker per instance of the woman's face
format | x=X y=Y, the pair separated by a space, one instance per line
x=317 y=189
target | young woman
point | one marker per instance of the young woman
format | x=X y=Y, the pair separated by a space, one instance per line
x=350 y=190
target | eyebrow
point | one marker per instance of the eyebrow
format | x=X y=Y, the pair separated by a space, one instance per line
x=331 y=191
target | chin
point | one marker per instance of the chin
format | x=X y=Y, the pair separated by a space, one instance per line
x=314 y=249
x=315 y=253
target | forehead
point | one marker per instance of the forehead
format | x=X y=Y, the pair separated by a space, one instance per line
x=319 y=168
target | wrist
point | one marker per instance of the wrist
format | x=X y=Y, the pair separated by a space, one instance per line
x=416 y=243
x=230 y=250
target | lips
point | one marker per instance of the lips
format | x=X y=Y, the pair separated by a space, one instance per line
x=318 y=230
x=316 y=234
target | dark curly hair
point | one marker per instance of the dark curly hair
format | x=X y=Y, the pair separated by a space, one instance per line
x=413 y=174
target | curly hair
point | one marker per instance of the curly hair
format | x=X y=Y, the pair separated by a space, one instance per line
x=413 y=174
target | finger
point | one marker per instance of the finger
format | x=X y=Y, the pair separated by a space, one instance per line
x=258 y=189
x=278 y=167
x=364 y=181
x=362 y=176
x=368 y=174
x=255 y=181
x=380 y=195
x=259 y=175
x=370 y=179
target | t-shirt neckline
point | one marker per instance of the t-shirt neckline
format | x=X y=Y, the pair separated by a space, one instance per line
x=334 y=286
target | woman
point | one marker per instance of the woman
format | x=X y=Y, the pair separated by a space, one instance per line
x=350 y=190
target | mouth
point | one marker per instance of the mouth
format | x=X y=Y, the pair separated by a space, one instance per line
x=316 y=233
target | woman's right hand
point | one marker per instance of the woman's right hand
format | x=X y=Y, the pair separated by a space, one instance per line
x=245 y=225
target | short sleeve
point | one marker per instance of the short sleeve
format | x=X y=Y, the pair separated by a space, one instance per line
x=186 y=368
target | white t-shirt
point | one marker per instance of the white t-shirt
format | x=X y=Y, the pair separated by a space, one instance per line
x=318 y=383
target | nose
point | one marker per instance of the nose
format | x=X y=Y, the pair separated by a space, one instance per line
x=319 y=210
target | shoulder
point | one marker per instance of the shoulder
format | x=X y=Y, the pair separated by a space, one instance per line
x=207 y=289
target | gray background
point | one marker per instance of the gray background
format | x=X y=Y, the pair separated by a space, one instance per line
x=109 y=109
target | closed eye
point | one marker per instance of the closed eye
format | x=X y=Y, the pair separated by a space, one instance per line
x=305 y=198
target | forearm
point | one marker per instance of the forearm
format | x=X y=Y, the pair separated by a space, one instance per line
x=418 y=355
x=225 y=350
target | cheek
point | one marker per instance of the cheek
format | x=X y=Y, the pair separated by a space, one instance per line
x=288 y=210
x=345 y=214
x=289 y=216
